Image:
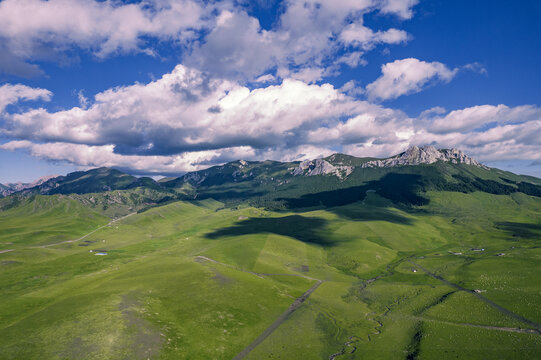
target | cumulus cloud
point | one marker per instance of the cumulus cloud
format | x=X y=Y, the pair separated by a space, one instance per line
x=401 y=8
x=34 y=29
x=487 y=132
x=217 y=36
x=436 y=110
x=307 y=36
x=97 y=156
x=352 y=88
x=237 y=47
x=11 y=94
x=185 y=110
x=471 y=118
x=360 y=36
x=265 y=78
x=187 y=120
x=352 y=59
x=407 y=76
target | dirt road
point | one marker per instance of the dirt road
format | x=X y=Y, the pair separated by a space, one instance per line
x=298 y=302
x=85 y=236
x=489 y=327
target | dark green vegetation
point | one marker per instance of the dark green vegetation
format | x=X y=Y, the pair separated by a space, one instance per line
x=437 y=261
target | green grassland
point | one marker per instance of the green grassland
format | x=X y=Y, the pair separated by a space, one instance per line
x=42 y=220
x=200 y=280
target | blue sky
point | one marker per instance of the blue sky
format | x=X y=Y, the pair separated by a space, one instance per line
x=162 y=87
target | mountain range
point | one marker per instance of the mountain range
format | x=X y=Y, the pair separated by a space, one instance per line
x=334 y=180
x=10 y=188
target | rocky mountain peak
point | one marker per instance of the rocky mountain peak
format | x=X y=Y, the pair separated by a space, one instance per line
x=415 y=155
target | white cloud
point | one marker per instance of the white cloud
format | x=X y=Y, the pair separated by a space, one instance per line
x=36 y=29
x=436 y=110
x=265 y=78
x=358 y=35
x=308 y=75
x=407 y=76
x=308 y=35
x=375 y=149
x=186 y=111
x=217 y=36
x=97 y=156
x=353 y=59
x=11 y=94
x=83 y=100
x=371 y=125
x=471 y=118
x=186 y=121
x=237 y=47
x=401 y=8
x=104 y=27
x=258 y=124
x=201 y=113
x=352 y=88
x=476 y=67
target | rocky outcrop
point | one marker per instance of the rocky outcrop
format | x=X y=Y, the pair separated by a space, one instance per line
x=4 y=190
x=412 y=156
x=424 y=155
x=7 y=189
x=195 y=178
x=321 y=167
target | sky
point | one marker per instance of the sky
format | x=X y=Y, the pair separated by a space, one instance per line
x=163 y=87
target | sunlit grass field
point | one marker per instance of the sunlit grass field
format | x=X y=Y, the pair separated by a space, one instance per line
x=197 y=280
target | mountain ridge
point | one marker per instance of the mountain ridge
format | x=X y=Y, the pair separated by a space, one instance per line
x=337 y=164
x=341 y=165
x=402 y=178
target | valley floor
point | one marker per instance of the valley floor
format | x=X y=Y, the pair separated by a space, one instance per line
x=455 y=279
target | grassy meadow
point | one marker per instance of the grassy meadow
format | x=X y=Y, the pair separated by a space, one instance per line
x=198 y=280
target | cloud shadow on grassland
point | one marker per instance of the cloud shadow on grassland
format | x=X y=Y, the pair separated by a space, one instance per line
x=305 y=229
x=400 y=189
x=520 y=230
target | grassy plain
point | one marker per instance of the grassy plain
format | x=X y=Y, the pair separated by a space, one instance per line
x=201 y=281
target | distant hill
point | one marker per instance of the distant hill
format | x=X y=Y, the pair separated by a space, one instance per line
x=91 y=181
x=109 y=191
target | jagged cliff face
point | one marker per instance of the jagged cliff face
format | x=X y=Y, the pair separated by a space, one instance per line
x=412 y=156
x=424 y=155
x=322 y=167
